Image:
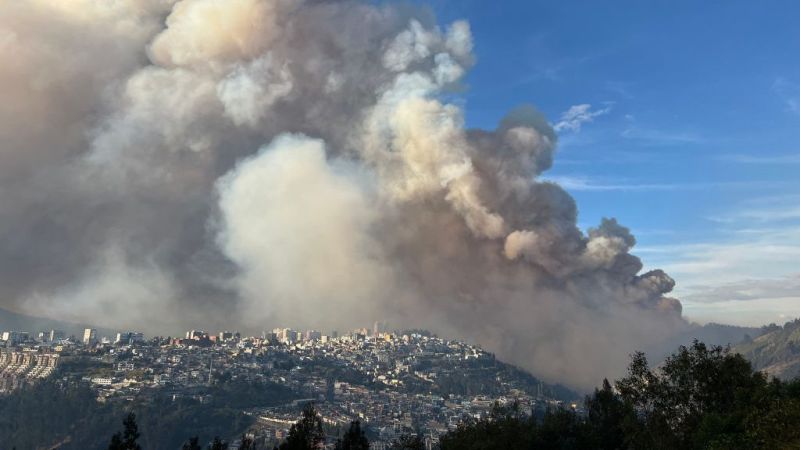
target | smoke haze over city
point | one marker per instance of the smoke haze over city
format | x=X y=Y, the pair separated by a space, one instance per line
x=170 y=165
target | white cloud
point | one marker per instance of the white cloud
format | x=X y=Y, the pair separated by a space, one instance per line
x=761 y=215
x=749 y=289
x=751 y=313
x=582 y=183
x=585 y=183
x=762 y=210
x=792 y=158
x=715 y=278
x=577 y=115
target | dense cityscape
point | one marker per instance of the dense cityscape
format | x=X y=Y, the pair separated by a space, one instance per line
x=395 y=383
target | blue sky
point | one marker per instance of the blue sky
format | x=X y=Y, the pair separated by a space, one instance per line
x=690 y=139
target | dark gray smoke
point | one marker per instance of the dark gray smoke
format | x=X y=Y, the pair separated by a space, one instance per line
x=207 y=162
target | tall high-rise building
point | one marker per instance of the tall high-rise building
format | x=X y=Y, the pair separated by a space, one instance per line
x=196 y=335
x=89 y=336
x=57 y=335
x=313 y=335
x=225 y=335
x=287 y=335
x=129 y=337
x=7 y=335
x=271 y=337
x=361 y=332
x=14 y=337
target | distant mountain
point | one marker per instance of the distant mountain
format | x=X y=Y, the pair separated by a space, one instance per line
x=711 y=334
x=14 y=321
x=776 y=351
x=719 y=334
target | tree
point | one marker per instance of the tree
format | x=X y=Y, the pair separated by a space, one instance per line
x=563 y=429
x=700 y=397
x=192 y=444
x=218 y=444
x=775 y=426
x=307 y=433
x=247 y=443
x=130 y=433
x=607 y=416
x=127 y=439
x=354 y=438
x=505 y=428
x=116 y=442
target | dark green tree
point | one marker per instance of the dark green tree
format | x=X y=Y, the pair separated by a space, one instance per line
x=774 y=424
x=192 y=444
x=130 y=433
x=563 y=429
x=354 y=438
x=505 y=428
x=127 y=439
x=607 y=417
x=247 y=443
x=699 y=398
x=307 y=433
x=218 y=444
x=116 y=442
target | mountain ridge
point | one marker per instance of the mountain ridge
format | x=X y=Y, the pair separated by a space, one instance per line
x=776 y=351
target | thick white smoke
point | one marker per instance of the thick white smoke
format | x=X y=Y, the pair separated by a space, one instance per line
x=261 y=162
x=301 y=231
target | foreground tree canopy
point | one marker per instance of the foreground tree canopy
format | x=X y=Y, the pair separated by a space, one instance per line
x=700 y=398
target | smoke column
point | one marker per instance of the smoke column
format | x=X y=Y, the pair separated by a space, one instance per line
x=260 y=162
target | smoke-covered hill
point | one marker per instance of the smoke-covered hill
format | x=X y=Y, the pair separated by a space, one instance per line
x=10 y=320
x=715 y=334
x=777 y=351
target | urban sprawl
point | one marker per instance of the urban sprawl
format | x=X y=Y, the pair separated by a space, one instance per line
x=395 y=383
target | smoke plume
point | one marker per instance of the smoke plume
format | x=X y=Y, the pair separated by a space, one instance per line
x=207 y=163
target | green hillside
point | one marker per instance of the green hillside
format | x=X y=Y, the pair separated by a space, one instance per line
x=776 y=352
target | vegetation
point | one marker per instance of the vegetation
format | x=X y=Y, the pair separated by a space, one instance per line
x=307 y=433
x=218 y=444
x=47 y=413
x=354 y=438
x=126 y=440
x=701 y=398
x=247 y=443
x=776 y=350
x=68 y=415
x=192 y=444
